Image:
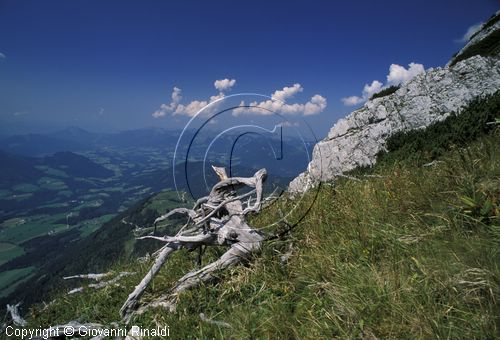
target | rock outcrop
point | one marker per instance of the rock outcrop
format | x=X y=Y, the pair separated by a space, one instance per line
x=429 y=97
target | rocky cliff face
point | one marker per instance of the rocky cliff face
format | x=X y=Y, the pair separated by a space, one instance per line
x=430 y=97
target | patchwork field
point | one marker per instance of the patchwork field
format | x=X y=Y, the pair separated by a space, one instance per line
x=58 y=202
x=10 y=279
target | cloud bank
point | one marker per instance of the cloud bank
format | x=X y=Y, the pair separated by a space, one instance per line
x=279 y=104
x=397 y=75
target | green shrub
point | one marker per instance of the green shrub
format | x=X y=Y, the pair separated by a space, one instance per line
x=489 y=46
x=491 y=21
x=385 y=92
x=458 y=129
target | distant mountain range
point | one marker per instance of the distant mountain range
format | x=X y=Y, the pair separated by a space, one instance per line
x=16 y=168
x=77 y=139
x=58 y=149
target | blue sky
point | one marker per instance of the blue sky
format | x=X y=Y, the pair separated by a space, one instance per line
x=109 y=65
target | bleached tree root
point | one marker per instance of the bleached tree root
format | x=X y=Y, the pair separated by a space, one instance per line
x=131 y=303
x=97 y=277
x=237 y=254
x=13 y=317
x=215 y=220
x=215 y=322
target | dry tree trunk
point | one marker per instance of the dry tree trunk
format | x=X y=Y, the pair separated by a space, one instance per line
x=99 y=278
x=133 y=299
x=215 y=220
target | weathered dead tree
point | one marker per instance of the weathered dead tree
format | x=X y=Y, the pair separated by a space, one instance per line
x=215 y=220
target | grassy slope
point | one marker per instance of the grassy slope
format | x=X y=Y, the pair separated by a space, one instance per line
x=60 y=255
x=410 y=254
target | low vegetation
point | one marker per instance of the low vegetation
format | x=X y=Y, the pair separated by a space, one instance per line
x=458 y=129
x=385 y=92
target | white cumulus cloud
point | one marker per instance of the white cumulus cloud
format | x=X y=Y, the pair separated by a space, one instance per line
x=196 y=105
x=287 y=92
x=374 y=87
x=397 y=75
x=224 y=84
x=368 y=91
x=352 y=100
x=176 y=108
x=166 y=108
x=278 y=104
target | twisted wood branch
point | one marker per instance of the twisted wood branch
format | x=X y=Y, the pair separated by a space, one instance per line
x=215 y=220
